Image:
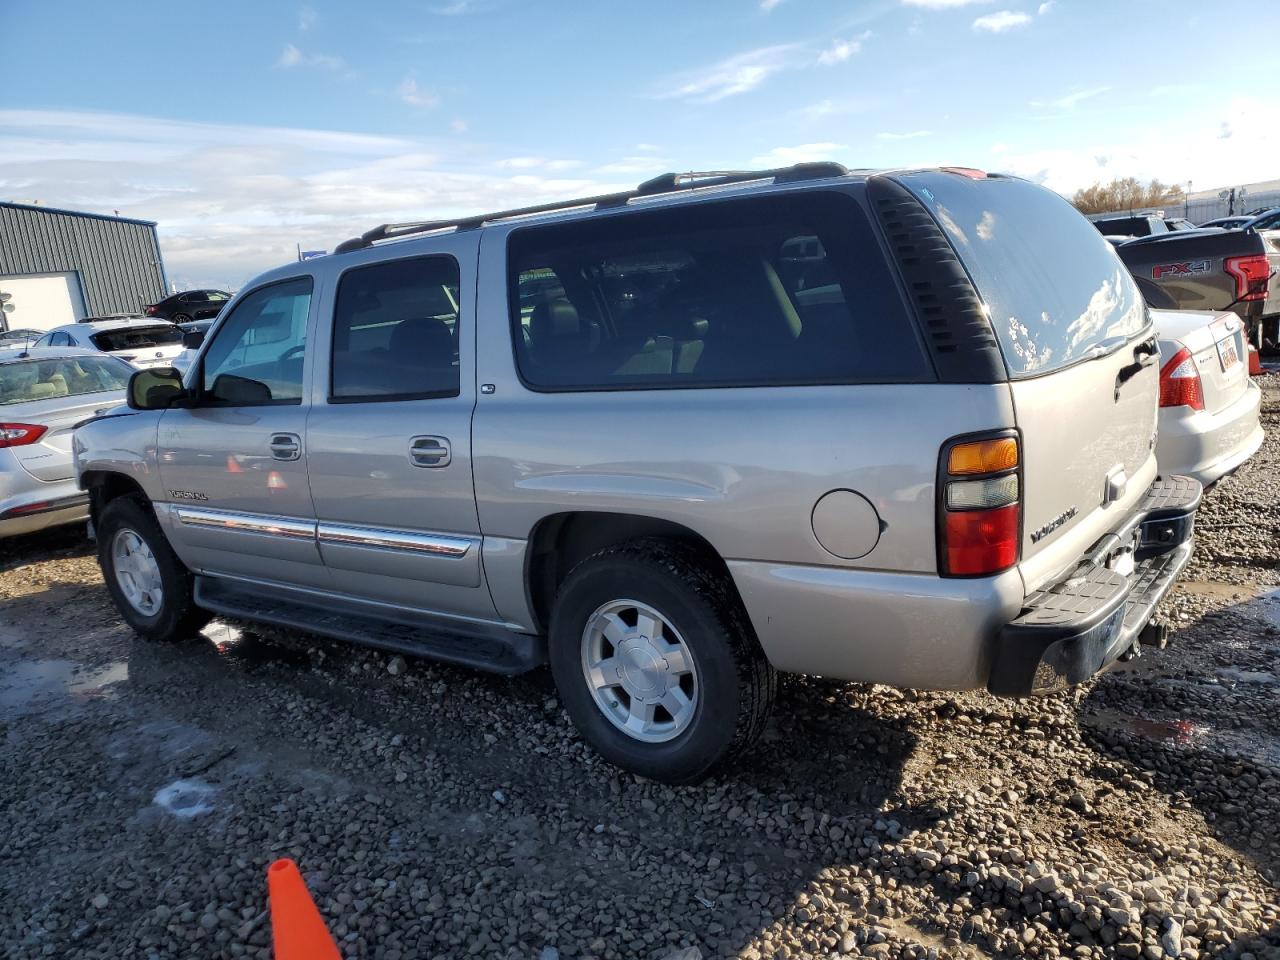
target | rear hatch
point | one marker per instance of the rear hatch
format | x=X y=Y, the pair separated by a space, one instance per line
x=1216 y=342
x=49 y=458
x=1079 y=347
x=142 y=346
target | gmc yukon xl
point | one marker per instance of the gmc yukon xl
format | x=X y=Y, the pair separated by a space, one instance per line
x=892 y=427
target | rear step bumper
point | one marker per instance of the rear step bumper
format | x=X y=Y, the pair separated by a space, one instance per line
x=1068 y=632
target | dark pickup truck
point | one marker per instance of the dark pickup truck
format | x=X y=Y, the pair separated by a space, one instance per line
x=1211 y=269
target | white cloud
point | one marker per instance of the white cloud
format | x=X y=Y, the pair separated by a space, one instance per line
x=767 y=5
x=307 y=17
x=1046 y=7
x=409 y=92
x=458 y=126
x=453 y=9
x=785 y=156
x=291 y=56
x=941 y=4
x=842 y=50
x=731 y=76
x=1000 y=21
x=1193 y=152
x=233 y=200
x=630 y=166
x=912 y=135
x=1071 y=100
x=538 y=163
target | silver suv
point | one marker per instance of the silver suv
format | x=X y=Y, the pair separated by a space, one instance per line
x=890 y=427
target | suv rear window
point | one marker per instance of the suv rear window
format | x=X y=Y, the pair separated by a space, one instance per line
x=1054 y=286
x=789 y=289
x=137 y=338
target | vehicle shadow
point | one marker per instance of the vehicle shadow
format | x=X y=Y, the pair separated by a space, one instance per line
x=42 y=546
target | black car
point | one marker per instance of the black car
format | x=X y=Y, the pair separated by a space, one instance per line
x=189 y=305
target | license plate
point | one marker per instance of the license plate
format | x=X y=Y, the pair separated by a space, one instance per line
x=1227 y=354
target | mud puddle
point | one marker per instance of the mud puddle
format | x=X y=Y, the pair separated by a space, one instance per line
x=27 y=685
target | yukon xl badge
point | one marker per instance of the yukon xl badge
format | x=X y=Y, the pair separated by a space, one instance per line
x=1053 y=525
x=188 y=495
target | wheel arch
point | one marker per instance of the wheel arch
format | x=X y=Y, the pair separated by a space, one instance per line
x=104 y=486
x=560 y=541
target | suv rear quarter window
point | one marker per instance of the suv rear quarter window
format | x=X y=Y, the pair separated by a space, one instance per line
x=1053 y=285
x=787 y=289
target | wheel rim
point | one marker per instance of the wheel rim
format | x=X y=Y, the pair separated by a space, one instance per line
x=640 y=671
x=137 y=572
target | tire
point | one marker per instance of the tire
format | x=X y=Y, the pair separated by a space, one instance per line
x=731 y=685
x=179 y=318
x=128 y=525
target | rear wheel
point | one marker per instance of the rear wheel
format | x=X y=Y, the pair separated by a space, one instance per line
x=656 y=661
x=151 y=587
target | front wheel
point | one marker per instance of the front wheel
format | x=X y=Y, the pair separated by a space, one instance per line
x=151 y=587
x=656 y=661
x=179 y=318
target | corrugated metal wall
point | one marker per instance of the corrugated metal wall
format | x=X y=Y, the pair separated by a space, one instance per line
x=118 y=260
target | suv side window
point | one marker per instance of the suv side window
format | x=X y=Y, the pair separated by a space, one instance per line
x=256 y=356
x=395 y=331
x=785 y=290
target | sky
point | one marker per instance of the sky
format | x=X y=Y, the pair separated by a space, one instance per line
x=246 y=129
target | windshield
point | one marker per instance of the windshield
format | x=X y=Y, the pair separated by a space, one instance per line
x=1053 y=285
x=25 y=380
x=137 y=338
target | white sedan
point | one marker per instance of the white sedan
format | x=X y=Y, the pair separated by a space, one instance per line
x=1209 y=405
x=138 y=340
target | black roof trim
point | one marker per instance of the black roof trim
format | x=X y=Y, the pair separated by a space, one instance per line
x=41 y=208
x=665 y=183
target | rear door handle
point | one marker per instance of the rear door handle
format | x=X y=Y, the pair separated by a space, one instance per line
x=286 y=446
x=429 y=452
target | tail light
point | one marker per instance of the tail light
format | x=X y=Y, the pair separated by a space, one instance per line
x=1252 y=275
x=1180 y=382
x=20 y=434
x=980 y=506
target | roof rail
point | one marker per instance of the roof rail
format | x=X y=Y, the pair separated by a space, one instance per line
x=665 y=183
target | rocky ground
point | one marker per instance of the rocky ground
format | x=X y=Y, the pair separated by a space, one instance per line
x=437 y=812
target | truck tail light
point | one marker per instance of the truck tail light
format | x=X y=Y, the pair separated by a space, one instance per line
x=1180 y=382
x=1252 y=275
x=980 y=506
x=20 y=434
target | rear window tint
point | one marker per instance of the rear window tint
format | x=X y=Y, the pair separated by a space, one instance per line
x=1055 y=288
x=765 y=291
x=137 y=338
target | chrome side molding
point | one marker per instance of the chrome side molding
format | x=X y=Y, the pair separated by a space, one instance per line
x=246 y=523
x=431 y=544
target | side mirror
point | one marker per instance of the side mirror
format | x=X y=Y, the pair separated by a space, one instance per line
x=191 y=339
x=155 y=388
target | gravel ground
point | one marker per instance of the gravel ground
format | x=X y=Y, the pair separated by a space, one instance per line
x=437 y=812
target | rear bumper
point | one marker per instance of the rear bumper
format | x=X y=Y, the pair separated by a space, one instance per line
x=1207 y=446
x=1096 y=615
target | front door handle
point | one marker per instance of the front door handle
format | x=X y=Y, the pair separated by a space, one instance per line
x=429 y=452
x=286 y=446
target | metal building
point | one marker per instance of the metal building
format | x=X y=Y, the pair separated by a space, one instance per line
x=59 y=266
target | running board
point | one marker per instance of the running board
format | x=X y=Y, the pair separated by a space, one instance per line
x=499 y=651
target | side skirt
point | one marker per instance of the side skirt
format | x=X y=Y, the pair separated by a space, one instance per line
x=496 y=650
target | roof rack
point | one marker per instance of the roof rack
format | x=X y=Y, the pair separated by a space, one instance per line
x=665 y=183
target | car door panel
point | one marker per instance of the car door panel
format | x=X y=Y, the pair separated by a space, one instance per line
x=389 y=437
x=234 y=473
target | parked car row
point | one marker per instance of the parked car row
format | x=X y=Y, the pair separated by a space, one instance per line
x=676 y=440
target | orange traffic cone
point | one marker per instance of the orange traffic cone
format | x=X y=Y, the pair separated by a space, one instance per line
x=297 y=929
x=1255 y=362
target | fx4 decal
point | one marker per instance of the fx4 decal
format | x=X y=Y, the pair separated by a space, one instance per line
x=1184 y=269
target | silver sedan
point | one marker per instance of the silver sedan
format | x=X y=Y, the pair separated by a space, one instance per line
x=1209 y=406
x=44 y=393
